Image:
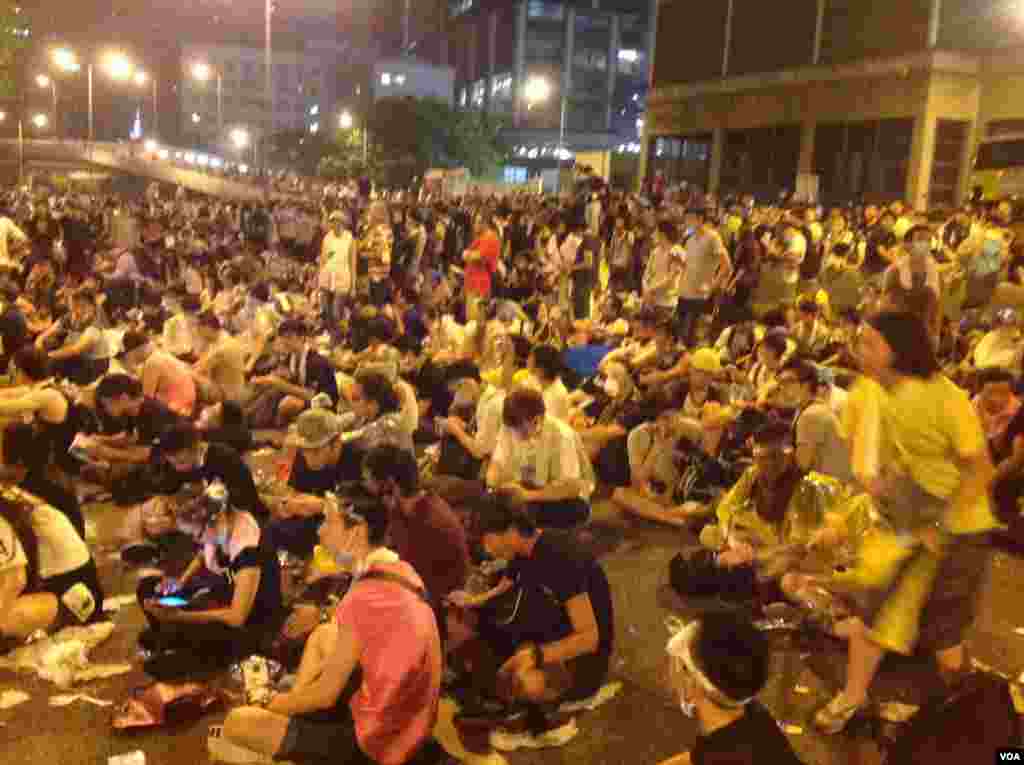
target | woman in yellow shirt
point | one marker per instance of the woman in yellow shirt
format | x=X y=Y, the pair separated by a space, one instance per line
x=918 y=448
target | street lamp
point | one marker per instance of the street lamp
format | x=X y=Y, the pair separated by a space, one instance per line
x=140 y=79
x=203 y=72
x=40 y=121
x=117 y=65
x=45 y=81
x=240 y=138
x=345 y=122
x=537 y=90
x=195 y=118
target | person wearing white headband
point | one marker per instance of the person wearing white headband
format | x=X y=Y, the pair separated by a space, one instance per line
x=718 y=666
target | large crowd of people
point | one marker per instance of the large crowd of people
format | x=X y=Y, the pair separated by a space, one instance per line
x=447 y=387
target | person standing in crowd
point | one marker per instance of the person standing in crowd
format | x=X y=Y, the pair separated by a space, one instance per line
x=919 y=449
x=481 y=259
x=337 y=276
x=706 y=269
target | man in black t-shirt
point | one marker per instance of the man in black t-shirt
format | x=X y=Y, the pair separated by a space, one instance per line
x=560 y=649
x=718 y=666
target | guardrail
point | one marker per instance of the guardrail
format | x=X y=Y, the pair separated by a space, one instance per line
x=161 y=164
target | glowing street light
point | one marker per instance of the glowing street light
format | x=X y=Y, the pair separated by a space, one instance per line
x=203 y=72
x=43 y=80
x=240 y=138
x=40 y=120
x=195 y=118
x=140 y=78
x=66 y=60
x=345 y=121
x=118 y=65
x=537 y=90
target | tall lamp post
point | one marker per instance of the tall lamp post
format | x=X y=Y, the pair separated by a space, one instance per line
x=45 y=81
x=537 y=90
x=117 y=65
x=140 y=79
x=345 y=122
x=38 y=121
x=203 y=72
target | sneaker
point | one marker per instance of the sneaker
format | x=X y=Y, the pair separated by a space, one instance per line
x=835 y=715
x=505 y=741
x=222 y=750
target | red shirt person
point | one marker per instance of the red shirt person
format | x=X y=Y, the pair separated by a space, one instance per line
x=482 y=259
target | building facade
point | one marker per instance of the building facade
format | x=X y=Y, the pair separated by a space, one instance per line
x=413 y=78
x=592 y=57
x=304 y=90
x=872 y=99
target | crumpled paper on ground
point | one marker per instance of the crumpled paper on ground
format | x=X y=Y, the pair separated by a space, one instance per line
x=9 y=699
x=63 y=658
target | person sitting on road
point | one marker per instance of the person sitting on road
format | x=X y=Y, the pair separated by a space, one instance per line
x=539 y=462
x=368 y=687
x=48 y=578
x=562 y=651
x=230 y=594
x=718 y=666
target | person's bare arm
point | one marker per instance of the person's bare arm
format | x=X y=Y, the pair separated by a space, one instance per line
x=323 y=692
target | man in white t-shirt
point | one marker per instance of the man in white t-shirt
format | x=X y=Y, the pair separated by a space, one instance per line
x=337 y=267
x=539 y=462
x=706 y=268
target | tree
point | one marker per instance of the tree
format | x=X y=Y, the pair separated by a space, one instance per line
x=14 y=37
x=409 y=136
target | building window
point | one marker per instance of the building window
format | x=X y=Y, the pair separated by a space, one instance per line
x=593 y=60
x=631 y=61
x=458 y=7
x=543 y=9
x=479 y=94
x=501 y=86
x=515 y=175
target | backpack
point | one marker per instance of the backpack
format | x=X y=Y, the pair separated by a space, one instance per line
x=696 y=575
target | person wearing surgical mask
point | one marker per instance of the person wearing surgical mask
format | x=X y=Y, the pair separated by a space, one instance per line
x=717 y=667
x=912 y=282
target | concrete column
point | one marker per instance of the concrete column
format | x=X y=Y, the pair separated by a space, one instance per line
x=806 y=162
x=519 y=74
x=922 y=154
x=819 y=25
x=715 y=168
x=934 y=18
x=492 y=53
x=613 y=68
x=730 y=8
